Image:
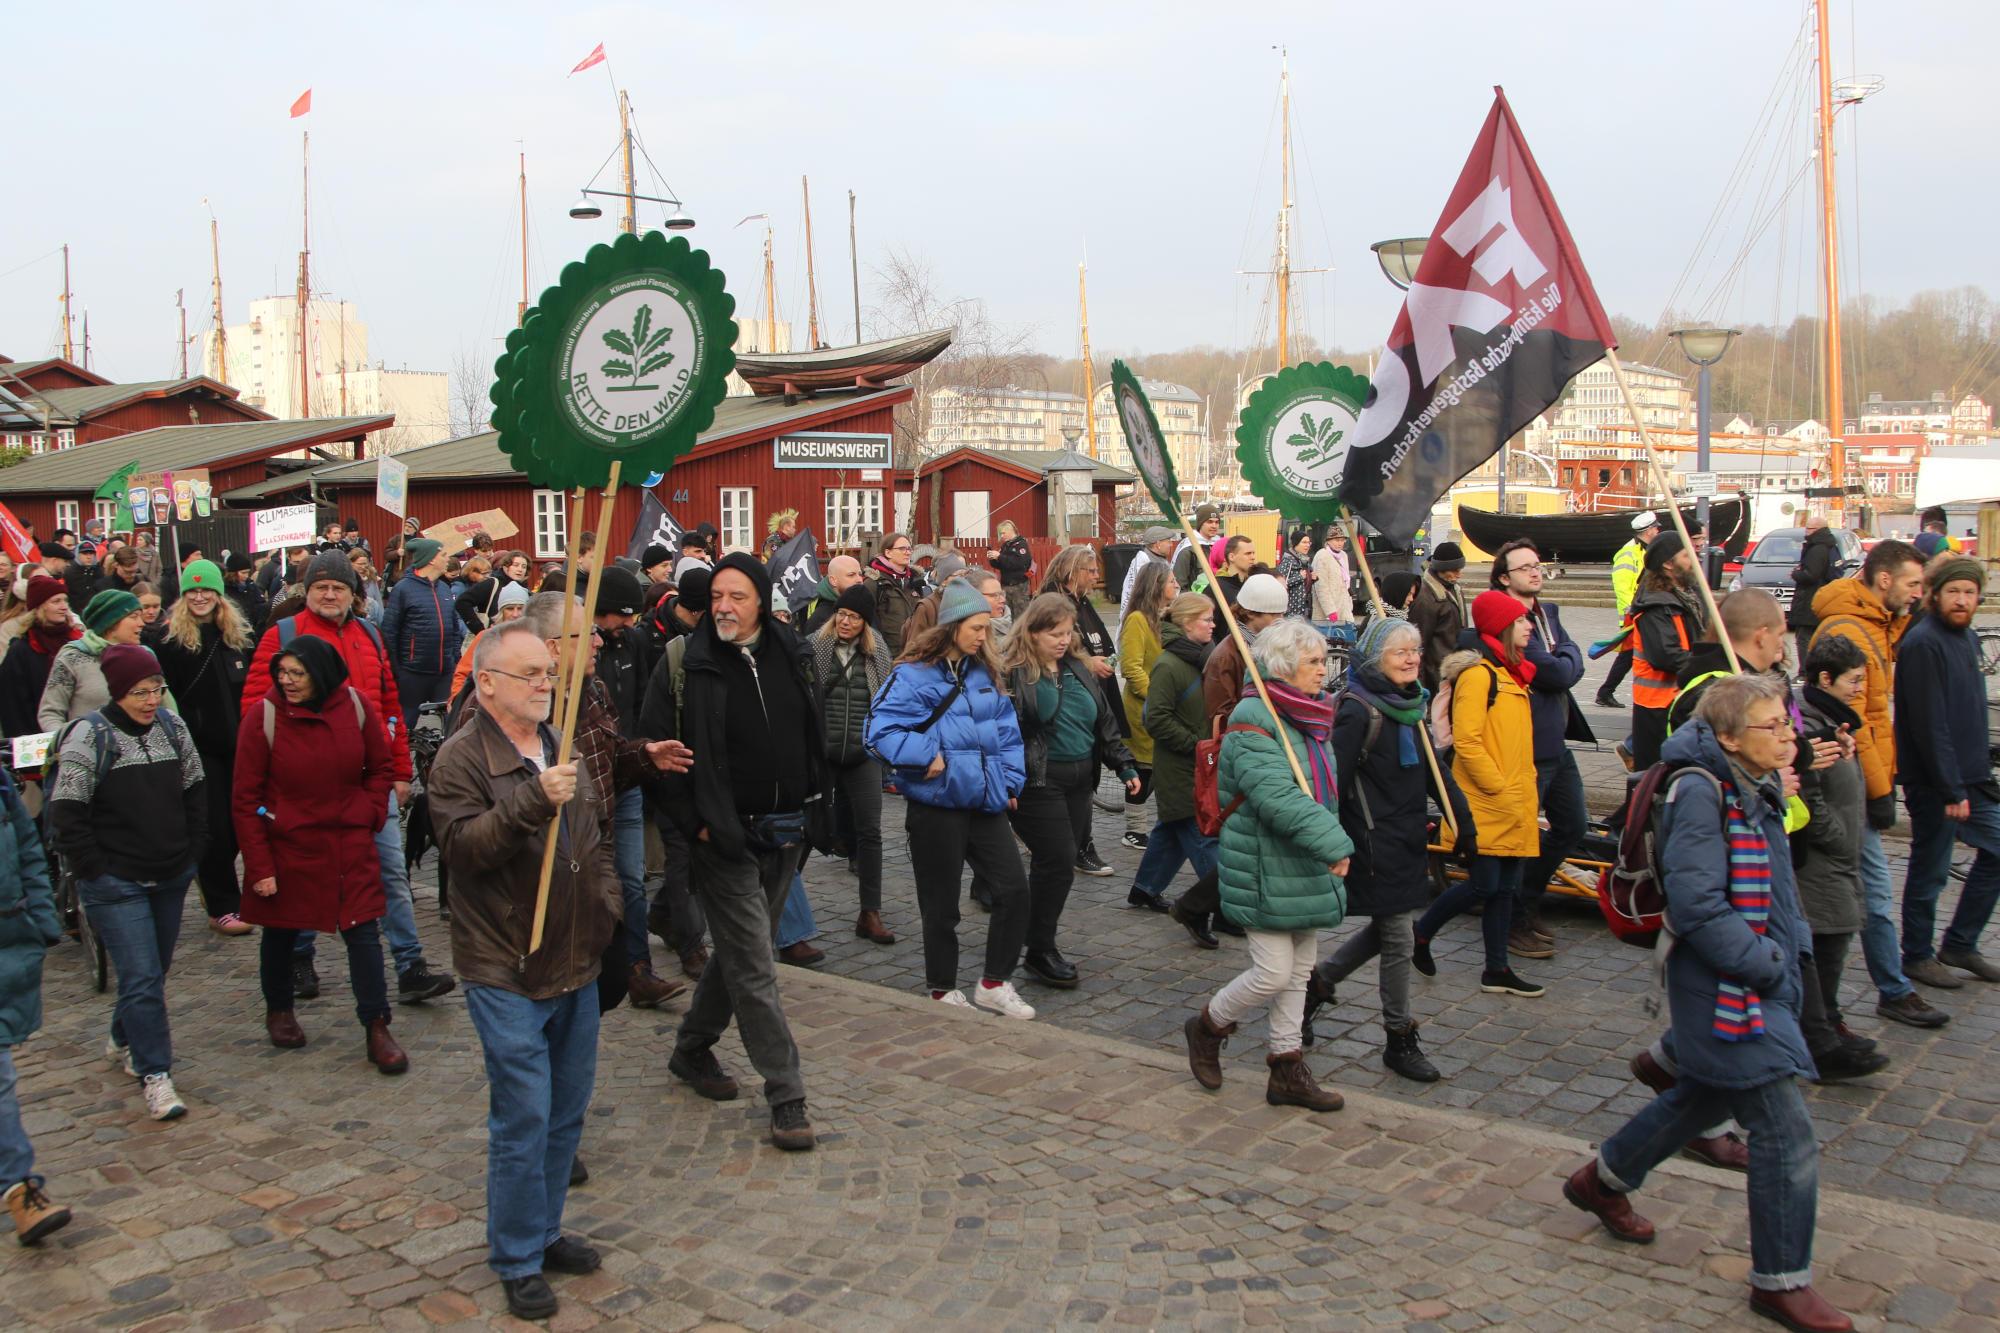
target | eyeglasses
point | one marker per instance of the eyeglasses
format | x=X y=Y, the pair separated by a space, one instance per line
x=534 y=679
x=1534 y=568
x=1779 y=727
x=896 y=550
x=148 y=693
x=1403 y=652
x=291 y=673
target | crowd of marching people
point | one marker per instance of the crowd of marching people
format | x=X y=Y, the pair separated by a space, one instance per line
x=291 y=716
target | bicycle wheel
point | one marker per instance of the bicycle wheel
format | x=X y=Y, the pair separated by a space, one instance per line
x=1989 y=651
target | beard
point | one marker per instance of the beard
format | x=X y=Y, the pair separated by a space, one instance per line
x=726 y=626
x=1956 y=617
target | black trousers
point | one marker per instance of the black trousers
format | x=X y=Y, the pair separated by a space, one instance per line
x=857 y=805
x=215 y=873
x=1819 y=1015
x=942 y=842
x=1621 y=666
x=1054 y=820
x=364 y=969
x=1649 y=733
x=1203 y=898
x=686 y=925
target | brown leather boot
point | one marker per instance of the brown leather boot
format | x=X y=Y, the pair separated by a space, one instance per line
x=1723 y=1150
x=647 y=990
x=283 y=1027
x=869 y=927
x=1614 y=1210
x=35 y=1216
x=383 y=1052
x=1292 y=1085
x=1204 y=1042
x=1801 y=1309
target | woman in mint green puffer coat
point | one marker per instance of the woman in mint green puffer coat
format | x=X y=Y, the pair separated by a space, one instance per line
x=1283 y=853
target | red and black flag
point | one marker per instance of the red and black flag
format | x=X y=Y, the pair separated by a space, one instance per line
x=1500 y=317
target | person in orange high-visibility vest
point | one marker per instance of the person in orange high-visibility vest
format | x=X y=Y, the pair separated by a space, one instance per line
x=1667 y=618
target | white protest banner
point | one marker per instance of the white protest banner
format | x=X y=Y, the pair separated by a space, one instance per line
x=457 y=533
x=392 y=485
x=32 y=751
x=294 y=525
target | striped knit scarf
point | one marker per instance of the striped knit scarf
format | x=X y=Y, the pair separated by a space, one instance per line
x=1739 y=1015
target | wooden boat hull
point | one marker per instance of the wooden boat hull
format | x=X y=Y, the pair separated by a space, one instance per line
x=1593 y=539
x=865 y=365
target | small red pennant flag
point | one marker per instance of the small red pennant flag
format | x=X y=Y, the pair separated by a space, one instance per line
x=303 y=105
x=596 y=57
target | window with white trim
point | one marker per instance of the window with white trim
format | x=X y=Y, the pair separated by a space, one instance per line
x=15 y=440
x=850 y=514
x=65 y=439
x=67 y=515
x=738 y=521
x=105 y=512
x=971 y=515
x=551 y=525
x=903 y=502
x=38 y=443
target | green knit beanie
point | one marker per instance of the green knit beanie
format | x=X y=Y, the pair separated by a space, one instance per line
x=108 y=608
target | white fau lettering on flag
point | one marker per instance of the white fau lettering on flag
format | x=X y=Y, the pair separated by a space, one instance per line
x=795 y=568
x=1498 y=320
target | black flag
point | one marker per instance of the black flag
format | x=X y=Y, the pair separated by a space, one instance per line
x=656 y=527
x=795 y=568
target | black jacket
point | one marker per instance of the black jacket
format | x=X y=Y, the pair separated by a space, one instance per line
x=1098 y=641
x=1014 y=562
x=1385 y=808
x=744 y=764
x=1813 y=572
x=251 y=601
x=1110 y=750
x=1941 y=731
x=207 y=685
x=622 y=666
x=1654 y=613
x=661 y=627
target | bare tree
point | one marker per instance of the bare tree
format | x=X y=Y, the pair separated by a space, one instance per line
x=470 y=380
x=982 y=355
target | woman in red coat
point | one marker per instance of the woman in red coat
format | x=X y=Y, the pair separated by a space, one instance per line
x=313 y=770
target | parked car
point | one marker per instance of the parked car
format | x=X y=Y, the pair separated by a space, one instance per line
x=1770 y=565
x=1736 y=566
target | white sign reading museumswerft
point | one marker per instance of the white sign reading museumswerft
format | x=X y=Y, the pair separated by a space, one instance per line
x=830 y=449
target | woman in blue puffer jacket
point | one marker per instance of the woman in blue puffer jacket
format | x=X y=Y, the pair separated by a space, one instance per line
x=944 y=725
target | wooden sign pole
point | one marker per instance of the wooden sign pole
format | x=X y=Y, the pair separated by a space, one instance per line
x=574 y=668
x=1673 y=510
x=1423 y=724
x=1249 y=663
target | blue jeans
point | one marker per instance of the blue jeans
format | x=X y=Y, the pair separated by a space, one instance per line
x=17 y=1155
x=399 y=922
x=1493 y=882
x=1560 y=786
x=1931 y=838
x=795 y=920
x=1878 y=927
x=139 y=924
x=1784 y=1165
x=1172 y=843
x=541 y=1064
x=629 y=828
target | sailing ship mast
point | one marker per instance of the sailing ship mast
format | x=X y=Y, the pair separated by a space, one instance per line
x=1284 y=273
x=770 y=292
x=69 y=347
x=221 y=330
x=812 y=286
x=304 y=402
x=630 y=222
x=1089 y=375
x=1830 y=256
x=521 y=310
x=180 y=304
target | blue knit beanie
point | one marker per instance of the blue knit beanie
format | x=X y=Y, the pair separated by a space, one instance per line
x=961 y=601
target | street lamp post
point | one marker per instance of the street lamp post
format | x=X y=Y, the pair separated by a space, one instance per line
x=1704 y=347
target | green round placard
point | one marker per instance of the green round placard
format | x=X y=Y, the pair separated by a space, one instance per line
x=626 y=357
x=1294 y=438
x=1150 y=455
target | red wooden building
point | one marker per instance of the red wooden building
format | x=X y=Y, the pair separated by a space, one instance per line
x=70 y=406
x=761 y=455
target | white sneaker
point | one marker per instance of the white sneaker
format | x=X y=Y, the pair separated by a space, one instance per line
x=119 y=1056
x=162 y=1102
x=1001 y=999
x=955 y=998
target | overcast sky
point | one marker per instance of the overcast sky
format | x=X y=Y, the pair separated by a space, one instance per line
x=997 y=143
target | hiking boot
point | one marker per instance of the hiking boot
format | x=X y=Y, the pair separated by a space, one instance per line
x=1913 y=1010
x=1648 y=1071
x=282 y=1026
x=801 y=954
x=693 y=961
x=1152 y=902
x=790 y=1130
x=1724 y=1151
x=162 y=1102
x=570 y=1256
x=868 y=926
x=529 y=1297
x=305 y=978
x=1845 y=1062
x=35 y=1215
x=1087 y=863
x=1849 y=1037
x=1537 y=929
x=1507 y=983
x=1222 y=925
x=1317 y=997
x=383 y=1052
x=1524 y=943
x=1970 y=960
x=1403 y=1056
x=1587 y=1191
x=1049 y=967
x=704 y=1073
x=647 y=990
x=1801 y=1309
x=1292 y=1084
x=1931 y=972
x=1204 y=1042
x=1420 y=958
x=418 y=982
x=1195 y=926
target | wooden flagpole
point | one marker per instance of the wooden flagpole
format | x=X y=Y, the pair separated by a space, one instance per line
x=573 y=670
x=1673 y=510
x=1249 y=663
x=569 y=582
x=1423 y=724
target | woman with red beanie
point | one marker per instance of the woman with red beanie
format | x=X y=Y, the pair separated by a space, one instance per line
x=1494 y=761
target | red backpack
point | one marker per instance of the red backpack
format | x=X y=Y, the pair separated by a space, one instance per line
x=1209 y=813
x=1630 y=891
